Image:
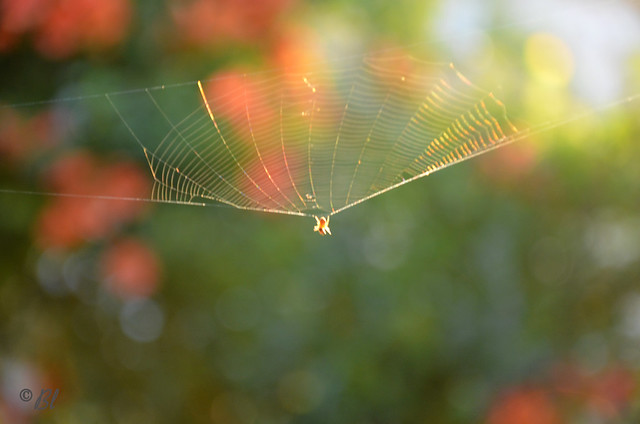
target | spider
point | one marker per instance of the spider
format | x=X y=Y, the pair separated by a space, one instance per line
x=322 y=225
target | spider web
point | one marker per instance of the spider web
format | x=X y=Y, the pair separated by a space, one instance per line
x=314 y=143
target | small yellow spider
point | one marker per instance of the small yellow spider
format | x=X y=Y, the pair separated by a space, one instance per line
x=322 y=225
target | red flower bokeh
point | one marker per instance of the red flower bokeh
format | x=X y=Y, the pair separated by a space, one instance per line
x=606 y=392
x=297 y=51
x=202 y=23
x=61 y=28
x=20 y=136
x=611 y=391
x=69 y=221
x=565 y=391
x=18 y=17
x=241 y=100
x=275 y=179
x=524 y=405
x=509 y=164
x=130 y=269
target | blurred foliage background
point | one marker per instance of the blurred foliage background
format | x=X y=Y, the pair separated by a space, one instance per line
x=502 y=290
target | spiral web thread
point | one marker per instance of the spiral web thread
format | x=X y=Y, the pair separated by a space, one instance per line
x=310 y=144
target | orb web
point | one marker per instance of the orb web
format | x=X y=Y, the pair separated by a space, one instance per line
x=313 y=143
